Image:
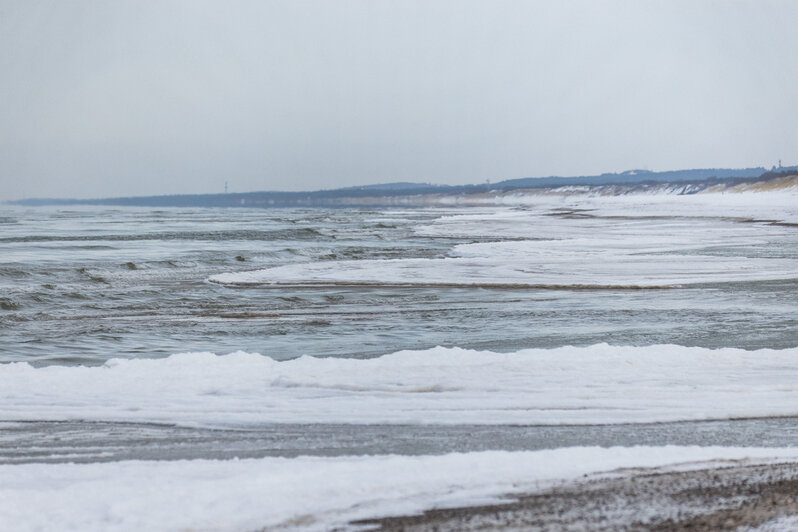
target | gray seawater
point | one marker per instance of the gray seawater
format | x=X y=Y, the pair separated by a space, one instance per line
x=79 y=286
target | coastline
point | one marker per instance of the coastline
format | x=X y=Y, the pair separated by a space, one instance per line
x=736 y=497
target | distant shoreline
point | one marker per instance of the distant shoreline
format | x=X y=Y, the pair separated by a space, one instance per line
x=425 y=195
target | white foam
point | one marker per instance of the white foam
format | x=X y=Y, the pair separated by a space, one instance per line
x=590 y=242
x=668 y=201
x=306 y=493
x=780 y=206
x=567 y=385
x=552 y=271
x=779 y=524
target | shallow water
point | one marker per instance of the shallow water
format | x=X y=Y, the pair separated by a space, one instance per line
x=80 y=286
x=81 y=442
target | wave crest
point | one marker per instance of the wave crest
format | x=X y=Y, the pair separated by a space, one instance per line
x=598 y=384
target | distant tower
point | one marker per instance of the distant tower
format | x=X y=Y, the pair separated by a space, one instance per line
x=779 y=163
x=225 y=187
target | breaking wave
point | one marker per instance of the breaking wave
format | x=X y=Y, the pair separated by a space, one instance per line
x=599 y=384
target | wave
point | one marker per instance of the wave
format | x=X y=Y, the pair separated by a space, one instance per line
x=11 y=272
x=317 y=494
x=600 y=384
x=9 y=304
x=305 y=233
x=511 y=267
x=610 y=247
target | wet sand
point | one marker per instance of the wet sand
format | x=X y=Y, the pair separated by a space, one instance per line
x=731 y=497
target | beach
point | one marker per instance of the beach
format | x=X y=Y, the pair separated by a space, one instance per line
x=728 y=497
x=568 y=362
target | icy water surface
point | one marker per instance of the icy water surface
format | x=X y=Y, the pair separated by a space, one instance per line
x=82 y=286
x=102 y=442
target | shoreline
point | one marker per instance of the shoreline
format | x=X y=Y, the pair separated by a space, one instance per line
x=711 y=499
x=65 y=441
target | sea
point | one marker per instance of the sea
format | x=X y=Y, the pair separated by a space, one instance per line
x=537 y=323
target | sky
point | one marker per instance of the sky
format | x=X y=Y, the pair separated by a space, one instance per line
x=146 y=97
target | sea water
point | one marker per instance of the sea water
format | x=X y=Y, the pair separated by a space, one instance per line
x=191 y=333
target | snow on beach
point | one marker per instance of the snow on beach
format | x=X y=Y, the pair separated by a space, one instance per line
x=308 y=493
x=600 y=384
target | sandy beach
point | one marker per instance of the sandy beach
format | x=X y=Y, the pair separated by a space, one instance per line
x=736 y=497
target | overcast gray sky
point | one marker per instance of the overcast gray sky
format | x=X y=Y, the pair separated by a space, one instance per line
x=121 y=97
